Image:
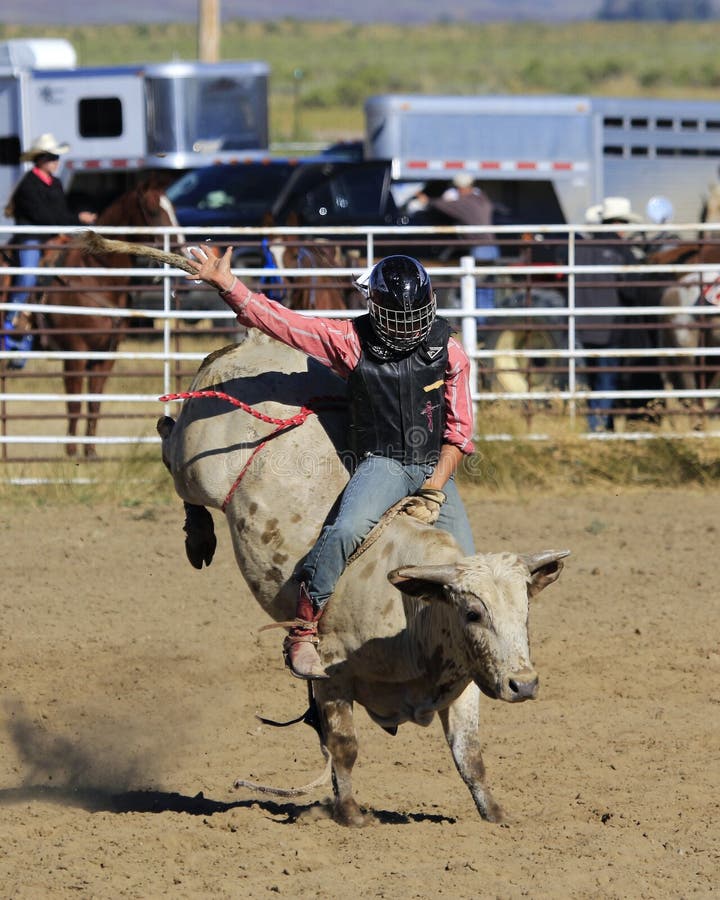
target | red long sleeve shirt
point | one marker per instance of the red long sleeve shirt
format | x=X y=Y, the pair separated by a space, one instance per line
x=335 y=343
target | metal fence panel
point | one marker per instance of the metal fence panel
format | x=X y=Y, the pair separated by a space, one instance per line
x=529 y=366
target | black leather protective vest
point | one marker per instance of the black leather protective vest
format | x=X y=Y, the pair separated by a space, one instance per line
x=397 y=406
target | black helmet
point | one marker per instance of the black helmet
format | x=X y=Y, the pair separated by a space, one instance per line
x=401 y=302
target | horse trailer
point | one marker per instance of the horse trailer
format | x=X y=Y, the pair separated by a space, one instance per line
x=546 y=159
x=124 y=120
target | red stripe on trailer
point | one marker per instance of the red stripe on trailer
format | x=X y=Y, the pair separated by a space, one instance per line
x=522 y=165
x=104 y=164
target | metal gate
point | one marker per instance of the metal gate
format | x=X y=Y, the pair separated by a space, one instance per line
x=532 y=376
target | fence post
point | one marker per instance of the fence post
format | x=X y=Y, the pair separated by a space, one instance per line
x=572 y=362
x=468 y=287
x=167 y=322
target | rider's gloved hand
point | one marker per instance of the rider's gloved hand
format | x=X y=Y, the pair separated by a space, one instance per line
x=425 y=505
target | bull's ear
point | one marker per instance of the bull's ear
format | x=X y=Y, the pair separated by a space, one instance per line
x=545 y=568
x=425 y=582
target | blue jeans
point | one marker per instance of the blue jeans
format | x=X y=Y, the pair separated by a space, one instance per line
x=601 y=379
x=377 y=484
x=28 y=257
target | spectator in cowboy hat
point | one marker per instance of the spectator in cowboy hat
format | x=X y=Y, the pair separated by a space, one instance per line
x=605 y=290
x=617 y=209
x=38 y=199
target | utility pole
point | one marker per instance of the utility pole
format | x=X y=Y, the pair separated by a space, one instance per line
x=209 y=31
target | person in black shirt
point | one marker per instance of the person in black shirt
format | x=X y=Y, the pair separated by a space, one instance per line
x=613 y=291
x=38 y=199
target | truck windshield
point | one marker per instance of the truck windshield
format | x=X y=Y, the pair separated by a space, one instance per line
x=226 y=187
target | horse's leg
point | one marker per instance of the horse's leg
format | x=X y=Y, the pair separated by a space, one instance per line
x=98 y=373
x=681 y=335
x=684 y=337
x=73 y=375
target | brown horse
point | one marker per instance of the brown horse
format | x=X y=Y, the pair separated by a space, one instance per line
x=144 y=205
x=311 y=291
x=314 y=292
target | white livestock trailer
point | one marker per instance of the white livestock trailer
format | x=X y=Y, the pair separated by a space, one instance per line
x=546 y=159
x=122 y=120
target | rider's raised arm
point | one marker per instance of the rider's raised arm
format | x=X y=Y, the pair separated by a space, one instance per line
x=332 y=342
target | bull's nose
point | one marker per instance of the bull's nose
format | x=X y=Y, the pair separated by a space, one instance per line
x=523 y=686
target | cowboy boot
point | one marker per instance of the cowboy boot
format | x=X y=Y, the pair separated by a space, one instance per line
x=18 y=339
x=300 y=645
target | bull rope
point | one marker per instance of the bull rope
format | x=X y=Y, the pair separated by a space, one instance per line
x=378 y=529
x=282 y=424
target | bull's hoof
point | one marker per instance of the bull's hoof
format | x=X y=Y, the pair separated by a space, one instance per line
x=200 y=540
x=349 y=813
x=493 y=813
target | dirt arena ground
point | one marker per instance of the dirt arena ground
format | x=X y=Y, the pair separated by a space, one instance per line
x=130 y=684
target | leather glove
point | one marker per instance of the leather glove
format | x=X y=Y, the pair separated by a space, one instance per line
x=425 y=504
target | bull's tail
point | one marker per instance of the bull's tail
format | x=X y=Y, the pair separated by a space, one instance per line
x=95 y=244
x=310 y=717
x=320 y=781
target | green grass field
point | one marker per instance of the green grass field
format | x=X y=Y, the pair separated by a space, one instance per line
x=341 y=64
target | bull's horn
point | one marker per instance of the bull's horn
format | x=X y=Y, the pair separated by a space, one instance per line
x=535 y=561
x=435 y=574
x=93 y=243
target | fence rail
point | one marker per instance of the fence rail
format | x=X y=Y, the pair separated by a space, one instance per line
x=533 y=373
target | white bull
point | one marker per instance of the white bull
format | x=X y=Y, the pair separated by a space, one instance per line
x=413 y=628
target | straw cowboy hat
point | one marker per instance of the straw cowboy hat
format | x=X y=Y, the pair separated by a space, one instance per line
x=612 y=209
x=46 y=143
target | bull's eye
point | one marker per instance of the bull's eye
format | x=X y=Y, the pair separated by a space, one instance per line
x=473 y=615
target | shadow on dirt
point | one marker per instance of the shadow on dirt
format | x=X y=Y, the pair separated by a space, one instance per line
x=99 y=800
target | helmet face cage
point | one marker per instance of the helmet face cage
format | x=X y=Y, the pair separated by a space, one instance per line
x=401 y=302
x=403 y=330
